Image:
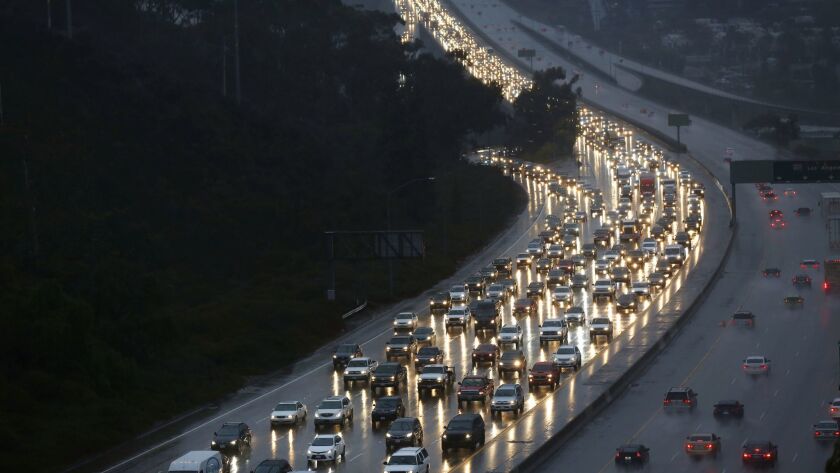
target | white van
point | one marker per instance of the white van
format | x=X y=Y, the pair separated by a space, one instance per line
x=675 y=254
x=205 y=461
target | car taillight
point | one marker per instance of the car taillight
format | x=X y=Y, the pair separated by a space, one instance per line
x=688 y=446
x=686 y=401
x=617 y=455
x=638 y=454
x=817 y=433
x=837 y=433
x=746 y=455
x=666 y=402
x=833 y=409
x=768 y=455
x=764 y=367
x=746 y=366
x=709 y=446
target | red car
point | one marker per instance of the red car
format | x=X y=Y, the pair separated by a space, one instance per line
x=475 y=388
x=544 y=373
x=776 y=213
x=485 y=353
x=777 y=223
x=769 y=195
x=525 y=305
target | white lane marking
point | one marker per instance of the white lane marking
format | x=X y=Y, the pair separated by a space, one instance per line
x=698 y=427
x=762 y=416
x=787 y=372
x=354 y=458
x=795 y=455
x=758 y=344
x=674 y=457
x=796 y=354
x=776 y=393
x=262 y=420
x=733 y=381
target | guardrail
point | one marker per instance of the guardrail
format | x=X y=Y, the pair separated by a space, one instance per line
x=352 y=312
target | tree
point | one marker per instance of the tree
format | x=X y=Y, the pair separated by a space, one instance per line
x=546 y=115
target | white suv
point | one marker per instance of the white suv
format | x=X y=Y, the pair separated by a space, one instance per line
x=553 y=329
x=511 y=333
x=568 y=356
x=405 y=321
x=359 y=369
x=334 y=410
x=408 y=460
x=458 y=316
x=562 y=295
x=326 y=448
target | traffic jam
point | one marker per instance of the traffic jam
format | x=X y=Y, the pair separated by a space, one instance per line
x=615 y=236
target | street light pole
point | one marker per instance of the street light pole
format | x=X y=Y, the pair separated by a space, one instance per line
x=388 y=224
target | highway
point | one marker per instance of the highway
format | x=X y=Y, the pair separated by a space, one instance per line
x=782 y=406
x=313 y=379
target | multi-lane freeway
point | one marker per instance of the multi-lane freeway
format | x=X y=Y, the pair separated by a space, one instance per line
x=313 y=380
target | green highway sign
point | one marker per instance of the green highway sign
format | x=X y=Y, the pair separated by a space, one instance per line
x=807 y=171
x=526 y=53
x=678 y=119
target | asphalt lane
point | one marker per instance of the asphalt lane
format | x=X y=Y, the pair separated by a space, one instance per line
x=312 y=381
x=781 y=406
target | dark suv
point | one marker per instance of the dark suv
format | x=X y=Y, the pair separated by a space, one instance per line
x=440 y=302
x=404 y=432
x=680 y=397
x=233 y=437
x=463 y=430
x=387 y=408
x=387 y=375
x=487 y=315
x=427 y=356
x=344 y=353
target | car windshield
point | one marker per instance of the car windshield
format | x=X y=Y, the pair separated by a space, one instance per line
x=565 y=351
x=386 y=370
x=496 y=287
x=428 y=351
x=677 y=395
x=742 y=315
x=458 y=311
x=404 y=316
x=506 y=392
x=387 y=402
x=553 y=323
x=229 y=430
x=700 y=438
x=509 y=330
x=423 y=331
x=346 y=349
x=600 y=320
x=403 y=460
x=402 y=425
x=460 y=424
x=755 y=361
x=323 y=442
x=510 y=355
x=400 y=340
x=826 y=425
x=472 y=382
x=330 y=405
x=434 y=370
x=285 y=406
x=357 y=364
x=456 y=289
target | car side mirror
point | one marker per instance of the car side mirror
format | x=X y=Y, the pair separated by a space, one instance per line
x=459 y=383
x=214 y=433
x=384 y=463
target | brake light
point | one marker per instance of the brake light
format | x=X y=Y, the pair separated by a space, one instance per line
x=709 y=446
x=825 y=285
x=837 y=433
x=833 y=409
x=666 y=402
x=764 y=367
x=686 y=401
x=688 y=446
x=768 y=455
x=746 y=455
x=638 y=454
x=817 y=433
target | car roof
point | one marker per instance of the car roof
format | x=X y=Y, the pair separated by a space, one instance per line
x=544 y=364
x=469 y=416
x=327 y=436
x=408 y=451
x=335 y=398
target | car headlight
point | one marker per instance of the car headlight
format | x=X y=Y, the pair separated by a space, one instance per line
x=439 y=378
x=408 y=435
x=233 y=442
x=517 y=364
x=388 y=434
x=213 y=442
x=335 y=356
x=387 y=348
x=468 y=436
x=309 y=452
x=373 y=378
x=444 y=435
x=393 y=378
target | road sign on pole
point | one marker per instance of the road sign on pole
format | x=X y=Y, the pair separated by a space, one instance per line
x=678 y=120
x=527 y=54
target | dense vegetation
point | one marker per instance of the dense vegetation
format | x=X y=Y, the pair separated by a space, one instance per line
x=158 y=236
x=545 y=123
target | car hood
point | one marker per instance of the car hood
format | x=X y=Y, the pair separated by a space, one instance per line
x=225 y=438
x=432 y=375
x=282 y=413
x=328 y=411
x=551 y=329
x=508 y=336
x=503 y=399
x=396 y=468
x=397 y=345
x=324 y=449
x=363 y=369
x=385 y=409
x=599 y=325
x=471 y=388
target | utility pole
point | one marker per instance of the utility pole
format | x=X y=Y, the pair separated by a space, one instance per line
x=236 y=49
x=224 y=66
x=69 y=5
x=49 y=16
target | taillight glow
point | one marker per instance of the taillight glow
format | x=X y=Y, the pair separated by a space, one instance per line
x=746 y=455
x=709 y=446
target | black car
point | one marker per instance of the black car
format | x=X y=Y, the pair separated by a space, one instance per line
x=729 y=408
x=344 y=353
x=620 y=274
x=503 y=266
x=589 y=250
x=463 y=430
x=428 y=356
x=387 y=375
x=440 y=302
x=387 y=408
x=556 y=277
x=803 y=211
x=535 y=289
x=632 y=454
x=487 y=315
x=626 y=304
x=475 y=285
x=771 y=272
x=233 y=437
x=760 y=452
x=802 y=280
x=404 y=432
x=273 y=466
